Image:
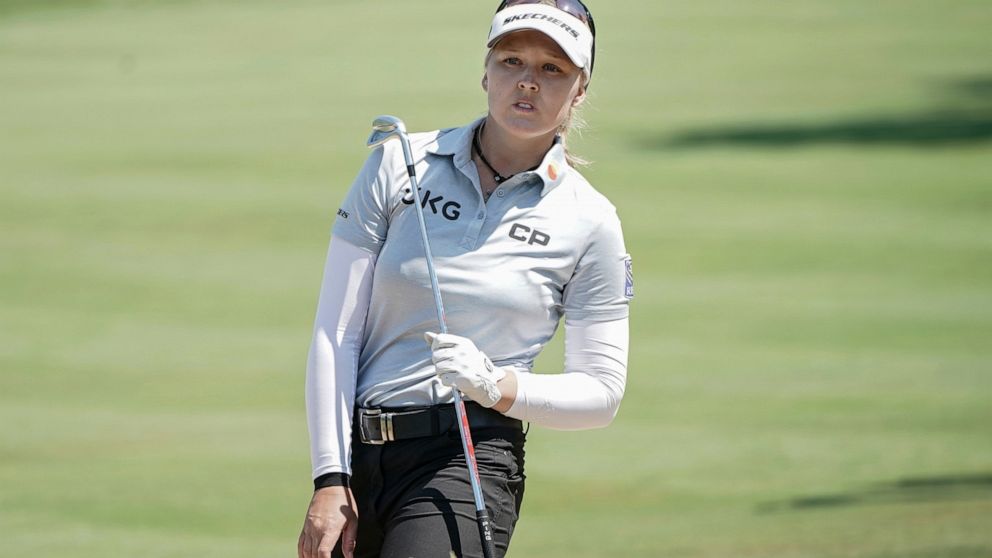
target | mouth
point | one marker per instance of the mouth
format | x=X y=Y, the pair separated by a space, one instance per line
x=524 y=106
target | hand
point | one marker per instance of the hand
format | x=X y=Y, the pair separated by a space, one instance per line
x=461 y=365
x=332 y=515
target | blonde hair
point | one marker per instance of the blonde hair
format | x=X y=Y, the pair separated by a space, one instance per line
x=573 y=123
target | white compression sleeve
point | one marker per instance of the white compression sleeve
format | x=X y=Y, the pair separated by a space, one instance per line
x=588 y=393
x=332 y=364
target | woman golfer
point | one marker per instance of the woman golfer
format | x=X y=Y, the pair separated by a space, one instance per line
x=520 y=239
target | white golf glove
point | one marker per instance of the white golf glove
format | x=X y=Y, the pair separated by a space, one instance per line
x=461 y=365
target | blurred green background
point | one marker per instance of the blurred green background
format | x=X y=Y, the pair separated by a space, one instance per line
x=806 y=189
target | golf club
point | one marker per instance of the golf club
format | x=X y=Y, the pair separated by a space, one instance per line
x=385 y=128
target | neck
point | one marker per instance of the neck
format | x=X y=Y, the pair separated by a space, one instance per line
x=509 y=154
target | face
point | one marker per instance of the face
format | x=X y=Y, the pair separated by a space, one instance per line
x=532 y=84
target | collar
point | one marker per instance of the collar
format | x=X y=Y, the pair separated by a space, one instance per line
x=457 y=142
x=553 y=168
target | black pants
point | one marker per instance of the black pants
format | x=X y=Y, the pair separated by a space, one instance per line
x=415 y=499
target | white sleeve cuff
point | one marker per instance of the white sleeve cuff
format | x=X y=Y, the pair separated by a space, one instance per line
x=588 y=393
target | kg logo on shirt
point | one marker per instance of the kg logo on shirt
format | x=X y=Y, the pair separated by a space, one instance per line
x=450 y=210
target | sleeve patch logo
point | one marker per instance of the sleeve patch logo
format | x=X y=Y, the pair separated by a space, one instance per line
x=628 y=287
x=343 y=213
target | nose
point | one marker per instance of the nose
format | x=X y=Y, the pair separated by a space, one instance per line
x=527 y=83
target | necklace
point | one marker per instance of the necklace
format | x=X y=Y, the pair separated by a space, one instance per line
x=478 y=149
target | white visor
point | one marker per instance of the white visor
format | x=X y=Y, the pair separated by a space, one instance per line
x=567 y=30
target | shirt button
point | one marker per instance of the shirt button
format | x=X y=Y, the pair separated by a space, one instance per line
x=480 y=215
x=499 y=193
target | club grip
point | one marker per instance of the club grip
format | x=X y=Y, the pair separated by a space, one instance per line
x=485 y=533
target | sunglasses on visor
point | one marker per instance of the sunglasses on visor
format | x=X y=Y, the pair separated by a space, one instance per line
x=570 y=7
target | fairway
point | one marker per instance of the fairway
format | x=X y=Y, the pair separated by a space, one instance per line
x=805 y=189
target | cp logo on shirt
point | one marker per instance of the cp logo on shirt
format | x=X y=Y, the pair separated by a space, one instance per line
x=519 y=232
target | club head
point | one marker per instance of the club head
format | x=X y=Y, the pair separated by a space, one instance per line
x=384 y=128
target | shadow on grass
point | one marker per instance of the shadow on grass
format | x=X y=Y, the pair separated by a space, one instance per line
x=965 y=119
x=902 y=491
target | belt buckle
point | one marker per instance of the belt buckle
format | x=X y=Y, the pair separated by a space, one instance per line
x=385 y=426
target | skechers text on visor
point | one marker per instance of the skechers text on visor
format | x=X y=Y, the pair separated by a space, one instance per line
x=571 y=33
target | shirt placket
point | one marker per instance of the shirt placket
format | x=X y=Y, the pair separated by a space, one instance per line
x=478 y=216
x=494 y=206
x=474 y=227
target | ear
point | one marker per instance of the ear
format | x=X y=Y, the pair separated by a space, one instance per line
x=580 y=96
x=485 y=83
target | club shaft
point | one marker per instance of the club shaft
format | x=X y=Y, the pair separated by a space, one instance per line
x=482 y=516
x=431 y=272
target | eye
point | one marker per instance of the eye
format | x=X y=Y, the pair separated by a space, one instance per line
x=552 y=68
x=512 y=60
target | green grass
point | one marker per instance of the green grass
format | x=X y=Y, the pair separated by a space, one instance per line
x=806 y=189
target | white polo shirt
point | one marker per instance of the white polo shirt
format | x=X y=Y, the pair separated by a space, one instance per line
x=545 y=245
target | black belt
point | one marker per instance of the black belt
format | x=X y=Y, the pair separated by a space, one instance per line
x=378 y=426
